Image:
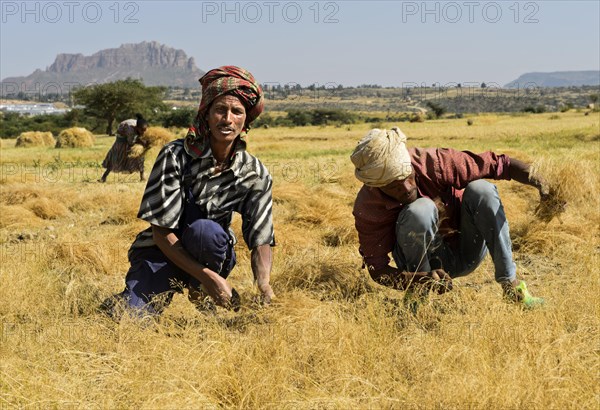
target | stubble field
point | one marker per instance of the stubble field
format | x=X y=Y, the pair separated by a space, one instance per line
x=332 y=339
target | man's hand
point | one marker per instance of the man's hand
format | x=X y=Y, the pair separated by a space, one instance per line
x=267 y=293
x=437 y=280
x=388 y=276
x=144 y=142
x=216 y=287
x=219 y=290
x=552 y=201
x=551 y=204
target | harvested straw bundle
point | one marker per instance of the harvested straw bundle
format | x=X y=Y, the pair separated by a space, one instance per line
x=566 y=182
x=75 y=137
x=153 y=137
x=35 y=139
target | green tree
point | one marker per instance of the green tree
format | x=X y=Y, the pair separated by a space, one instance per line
x=181 y=117
x=119 y=99
x=300 y=117
x=437 y=109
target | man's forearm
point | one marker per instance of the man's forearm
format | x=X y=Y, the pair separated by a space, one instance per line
x=261 y=260
x=521 y=172
x=171 y=246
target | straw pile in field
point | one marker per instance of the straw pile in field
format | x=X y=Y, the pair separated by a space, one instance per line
x=153 y=137
x=75 y=137
x=35 y=139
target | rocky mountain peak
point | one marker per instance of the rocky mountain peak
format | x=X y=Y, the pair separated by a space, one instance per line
x=152 y=62
x=145 y=54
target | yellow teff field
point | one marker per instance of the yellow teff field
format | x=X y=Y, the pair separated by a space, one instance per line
x=333 y=339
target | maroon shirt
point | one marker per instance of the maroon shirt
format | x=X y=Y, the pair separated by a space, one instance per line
x=441 y=175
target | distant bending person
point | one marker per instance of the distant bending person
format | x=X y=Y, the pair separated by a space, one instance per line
x=434 y=212
x=117 y=159
x=195 y=186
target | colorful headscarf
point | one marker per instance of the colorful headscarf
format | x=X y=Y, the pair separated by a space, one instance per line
x=215 y=83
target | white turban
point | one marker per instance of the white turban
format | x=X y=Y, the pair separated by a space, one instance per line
x=381 y=157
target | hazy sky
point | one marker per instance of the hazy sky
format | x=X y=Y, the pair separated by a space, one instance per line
x=340 y=42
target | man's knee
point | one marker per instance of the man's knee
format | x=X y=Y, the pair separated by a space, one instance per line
x=481 y=192
x=207 y=242
x=419 y=215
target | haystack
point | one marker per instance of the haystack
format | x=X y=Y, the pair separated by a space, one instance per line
x=75 y=137
x=35 y=139
x=417 y=117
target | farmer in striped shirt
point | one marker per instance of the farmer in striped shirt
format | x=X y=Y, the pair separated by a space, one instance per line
x=195 y=186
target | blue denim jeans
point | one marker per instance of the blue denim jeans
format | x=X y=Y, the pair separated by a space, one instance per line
x=152 y=278
x=483 y=228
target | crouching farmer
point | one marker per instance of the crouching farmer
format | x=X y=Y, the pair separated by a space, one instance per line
x=433 y=210
x=195 y=186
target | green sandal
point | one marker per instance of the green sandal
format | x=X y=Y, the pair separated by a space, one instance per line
x=524 y=297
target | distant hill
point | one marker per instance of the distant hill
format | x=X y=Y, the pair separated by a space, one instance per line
x=154 y=63
x=557 y=79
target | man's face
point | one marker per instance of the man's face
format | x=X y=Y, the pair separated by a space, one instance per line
x=403 y=190
x=226 y=118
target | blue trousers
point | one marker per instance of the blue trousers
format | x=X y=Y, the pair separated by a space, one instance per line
x=152 y=278
x=483 y=228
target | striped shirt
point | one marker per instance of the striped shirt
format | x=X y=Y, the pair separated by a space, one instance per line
x=245 y=187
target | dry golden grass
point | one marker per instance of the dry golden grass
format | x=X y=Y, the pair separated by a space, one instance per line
x=35 y=139
x=75 y=137
x=333 y=339
x=47 y=208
